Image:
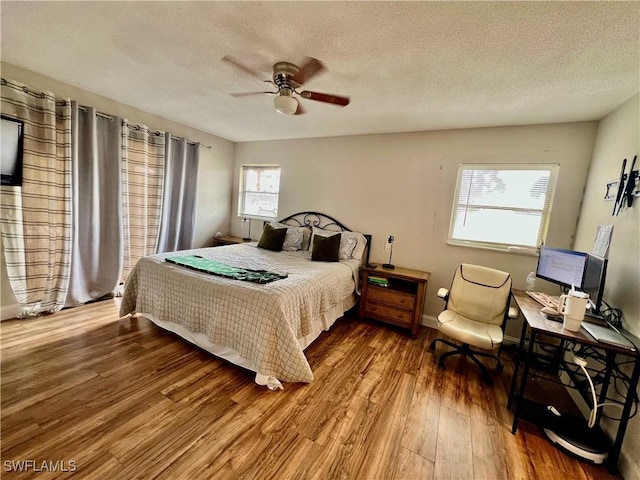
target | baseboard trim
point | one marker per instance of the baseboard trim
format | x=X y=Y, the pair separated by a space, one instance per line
x=9 y=312
x=429 y=321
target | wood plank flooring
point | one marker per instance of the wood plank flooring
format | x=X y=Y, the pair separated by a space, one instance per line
x=120 y=398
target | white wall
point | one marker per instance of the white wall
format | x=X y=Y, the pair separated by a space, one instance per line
x=215 y=167
x=403 y=184
x=618 y=137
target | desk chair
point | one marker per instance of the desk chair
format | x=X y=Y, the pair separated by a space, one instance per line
x=476 y=308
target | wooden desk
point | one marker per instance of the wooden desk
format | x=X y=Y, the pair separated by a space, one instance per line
x=534 y=329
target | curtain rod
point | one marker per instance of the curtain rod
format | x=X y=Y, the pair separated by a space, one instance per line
x=100 y=114
x=35 y=93
x=139 y=127
x=25 y=89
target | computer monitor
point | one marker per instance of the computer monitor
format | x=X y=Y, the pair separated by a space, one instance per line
x=568 y=268
x=594 y=277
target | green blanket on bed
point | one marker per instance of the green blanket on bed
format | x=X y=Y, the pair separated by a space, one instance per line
x=201 y=264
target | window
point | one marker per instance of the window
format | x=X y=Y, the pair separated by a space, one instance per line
x=502 y=206
x=259 y=190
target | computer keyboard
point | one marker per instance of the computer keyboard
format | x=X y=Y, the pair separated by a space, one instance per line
x=544 y=299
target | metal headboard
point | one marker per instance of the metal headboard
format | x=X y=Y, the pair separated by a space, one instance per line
x=320 y=220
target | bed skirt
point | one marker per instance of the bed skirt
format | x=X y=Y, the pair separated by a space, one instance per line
x=319 y=325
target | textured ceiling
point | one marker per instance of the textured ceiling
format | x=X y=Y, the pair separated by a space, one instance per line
x=407 y=66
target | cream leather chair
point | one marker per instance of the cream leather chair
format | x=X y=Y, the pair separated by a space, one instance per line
x=476 y=309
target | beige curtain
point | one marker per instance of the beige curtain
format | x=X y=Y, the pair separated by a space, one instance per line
x=36 y=217
x=143 y=154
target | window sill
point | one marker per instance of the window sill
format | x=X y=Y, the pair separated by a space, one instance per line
x=528 y=251
x=257 y=217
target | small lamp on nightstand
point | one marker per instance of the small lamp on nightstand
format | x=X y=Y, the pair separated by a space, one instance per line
x=389 y=246
x=247 y=221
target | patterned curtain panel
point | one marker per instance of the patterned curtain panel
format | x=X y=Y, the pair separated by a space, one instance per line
x=180 y=192
x=143 y=155
x=36 y=217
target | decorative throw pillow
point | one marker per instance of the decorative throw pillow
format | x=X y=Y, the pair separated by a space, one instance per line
x=306 y=237
x=359 y=245
x=293 y=240
x=272 y=238
x=352 y=244
x=322 y=233
x=297 y=238
x=325 y=249
x=347 y=245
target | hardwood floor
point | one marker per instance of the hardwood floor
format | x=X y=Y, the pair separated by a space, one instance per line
x=120 y=398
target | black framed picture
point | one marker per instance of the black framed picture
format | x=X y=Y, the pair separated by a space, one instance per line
x=12 y=148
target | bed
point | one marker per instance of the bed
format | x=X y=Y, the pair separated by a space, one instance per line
x=261 y=327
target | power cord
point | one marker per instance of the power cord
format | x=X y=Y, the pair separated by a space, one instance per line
x=582 y=363
x=612 y=315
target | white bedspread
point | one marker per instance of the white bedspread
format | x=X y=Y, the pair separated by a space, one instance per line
x=262 y=323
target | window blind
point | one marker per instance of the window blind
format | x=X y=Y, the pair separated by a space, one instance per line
x=259 y=191
x=502 y=205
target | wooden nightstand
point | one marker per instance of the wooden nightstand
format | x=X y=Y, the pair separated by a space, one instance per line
x=400 y=302
x=227 y=240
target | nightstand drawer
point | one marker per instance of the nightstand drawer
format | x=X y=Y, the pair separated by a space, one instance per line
x=391 y=297
x=393 y=315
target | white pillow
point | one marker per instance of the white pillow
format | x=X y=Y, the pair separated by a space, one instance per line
x=360 y=243
x=297 y=238
x=306 y=236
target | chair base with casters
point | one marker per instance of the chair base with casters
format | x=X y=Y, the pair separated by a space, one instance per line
x=477 y=306
x=465 y=349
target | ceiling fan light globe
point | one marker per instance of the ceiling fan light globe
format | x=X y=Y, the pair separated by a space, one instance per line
x=285 y=104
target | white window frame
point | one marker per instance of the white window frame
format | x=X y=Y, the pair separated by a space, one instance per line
x=545 y=211
x=242 y=191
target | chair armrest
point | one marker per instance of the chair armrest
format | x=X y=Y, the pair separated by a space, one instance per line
x=443 y=293
x=513 y=312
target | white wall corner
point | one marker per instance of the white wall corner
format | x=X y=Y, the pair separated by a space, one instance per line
x=627 y=465
x=9 y=312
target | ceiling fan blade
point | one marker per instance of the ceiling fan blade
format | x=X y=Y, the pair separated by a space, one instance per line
x=300 y=110
x=244 y=68
x=246 y=94
x=311 y=68
x=324 y=97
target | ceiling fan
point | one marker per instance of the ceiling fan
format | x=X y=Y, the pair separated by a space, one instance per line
x=287 y=79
